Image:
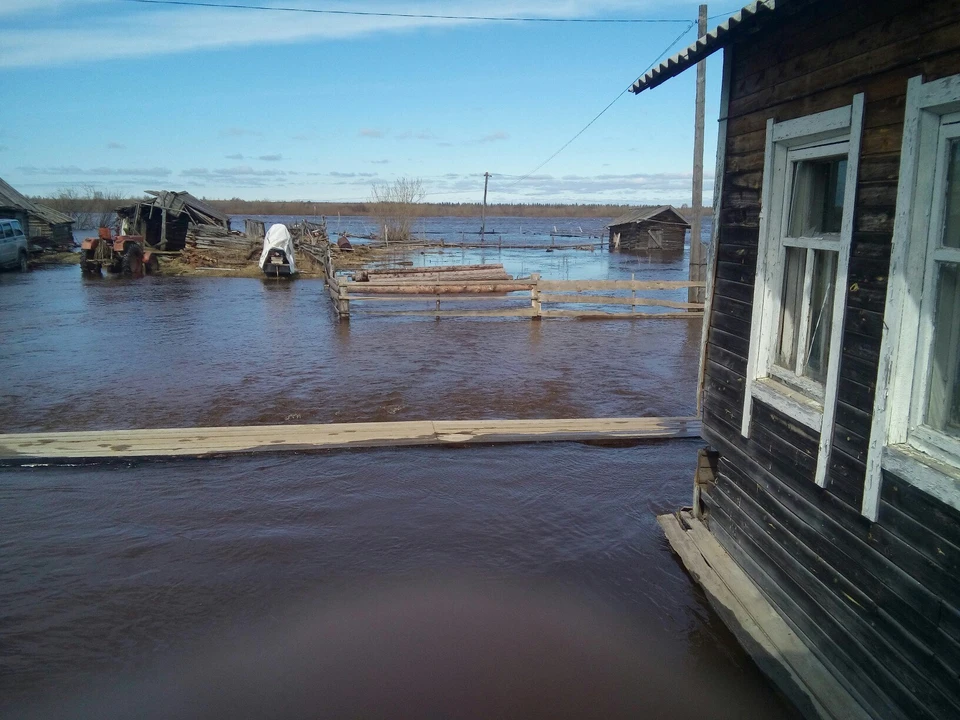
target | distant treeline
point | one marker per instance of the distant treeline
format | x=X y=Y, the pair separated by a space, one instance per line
x=307 y=208
x=80 y=202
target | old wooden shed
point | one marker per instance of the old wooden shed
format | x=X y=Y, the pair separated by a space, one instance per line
x=651 y=228
x=166 y=218
x=831 y=358
x=40 y=223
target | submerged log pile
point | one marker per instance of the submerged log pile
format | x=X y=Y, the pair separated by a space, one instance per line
x=441 y=279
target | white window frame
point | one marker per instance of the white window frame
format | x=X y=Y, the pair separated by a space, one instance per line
x=898 y=442
x=825 y=134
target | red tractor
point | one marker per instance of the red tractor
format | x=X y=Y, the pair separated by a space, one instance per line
x=125 y=254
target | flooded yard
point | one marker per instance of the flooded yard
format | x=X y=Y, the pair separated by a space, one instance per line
x=125 y=568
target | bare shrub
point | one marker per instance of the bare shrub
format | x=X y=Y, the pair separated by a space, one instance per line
x=90 y=207
x=395 y=205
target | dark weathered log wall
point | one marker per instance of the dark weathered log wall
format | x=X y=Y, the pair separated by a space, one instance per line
x=879 y=601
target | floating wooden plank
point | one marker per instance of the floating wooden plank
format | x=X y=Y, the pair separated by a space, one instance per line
x=586 y=285
x=600 y=314
x=778 y=651
x=500 y=312
x=29 y=448
x=613 y=300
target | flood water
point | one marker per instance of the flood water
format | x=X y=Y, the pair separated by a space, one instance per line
x=128 y=568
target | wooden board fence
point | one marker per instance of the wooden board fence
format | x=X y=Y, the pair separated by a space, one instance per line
x=381 y=296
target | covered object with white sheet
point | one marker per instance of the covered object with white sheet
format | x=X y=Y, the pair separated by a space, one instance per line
x=277 y=256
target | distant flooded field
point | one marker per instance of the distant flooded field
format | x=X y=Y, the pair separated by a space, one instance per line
x=87 y=353
x=130 y=568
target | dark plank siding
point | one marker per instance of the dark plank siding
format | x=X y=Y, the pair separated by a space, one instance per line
x=878 y=601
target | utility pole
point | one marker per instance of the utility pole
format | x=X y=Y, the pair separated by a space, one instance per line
x=483 y=212
x=698 y=261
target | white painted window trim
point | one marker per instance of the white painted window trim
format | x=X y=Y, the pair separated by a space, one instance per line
x=928 y=106
x=844 y=124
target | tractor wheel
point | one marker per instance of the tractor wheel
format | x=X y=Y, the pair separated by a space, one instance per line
x=24 y=262
x=87 y=267
x=133 y=260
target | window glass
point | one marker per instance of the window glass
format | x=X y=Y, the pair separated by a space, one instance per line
x=7 y=231
x=951 y=230
x=821 y=314
x=943 y=409
x=793 y=275
x=816 y=205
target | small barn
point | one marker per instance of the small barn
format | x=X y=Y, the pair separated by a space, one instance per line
x=41 y=224
x=165 y=219
x=825 y=523
x=652 y=228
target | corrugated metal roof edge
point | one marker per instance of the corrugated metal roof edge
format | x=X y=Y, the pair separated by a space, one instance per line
x=741 y=21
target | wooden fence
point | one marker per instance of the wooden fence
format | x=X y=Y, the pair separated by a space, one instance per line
x=531 y=297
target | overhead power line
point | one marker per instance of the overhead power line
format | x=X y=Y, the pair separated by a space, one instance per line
x=416 y=16
x=690 y=24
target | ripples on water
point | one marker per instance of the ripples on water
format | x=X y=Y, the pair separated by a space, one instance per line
x=113 y=568
x=108 y=568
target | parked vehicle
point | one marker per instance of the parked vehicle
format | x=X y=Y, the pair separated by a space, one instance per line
x=277 y=257
x=13 y=246
x=125 y=254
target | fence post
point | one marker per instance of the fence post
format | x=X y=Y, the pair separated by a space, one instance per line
x=535 y=295
x=343 y=301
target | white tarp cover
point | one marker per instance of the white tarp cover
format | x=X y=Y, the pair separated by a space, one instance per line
x=278 y=237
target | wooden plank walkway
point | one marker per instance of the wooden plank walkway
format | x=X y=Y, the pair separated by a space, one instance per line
x=779 y=652
x=26 y=448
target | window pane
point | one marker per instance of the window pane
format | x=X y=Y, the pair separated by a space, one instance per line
x=943 y=409
x=951 y=231
x=821 y=314
x=796 y=262
x=816 y=205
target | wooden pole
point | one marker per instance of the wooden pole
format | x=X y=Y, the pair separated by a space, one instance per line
x=697 y=260
x=163 y=229
x=535 y=295
x=483 y=211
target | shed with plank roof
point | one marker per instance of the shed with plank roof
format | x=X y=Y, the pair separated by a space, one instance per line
x=652 y=228
x=40 y=223
x=165 y=218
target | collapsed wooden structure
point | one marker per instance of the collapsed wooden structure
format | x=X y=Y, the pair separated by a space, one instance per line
x=831 y=358
x=172 y=220
x=41 y=224
x=659 y=229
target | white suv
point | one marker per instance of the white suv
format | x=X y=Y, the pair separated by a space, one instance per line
x=13 y=246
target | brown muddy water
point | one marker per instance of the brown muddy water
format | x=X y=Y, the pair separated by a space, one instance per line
x=523 y=580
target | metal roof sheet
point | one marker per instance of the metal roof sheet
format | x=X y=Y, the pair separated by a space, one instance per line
x=743 y=21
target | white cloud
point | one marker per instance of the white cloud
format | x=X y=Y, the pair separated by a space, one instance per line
x=371 y=133
x=60 y=33
x=67 y=171
x=113 y=145
x=494 y=136
x=275 y=157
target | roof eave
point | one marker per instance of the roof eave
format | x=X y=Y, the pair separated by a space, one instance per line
x=743 y=21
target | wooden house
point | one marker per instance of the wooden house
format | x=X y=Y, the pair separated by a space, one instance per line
x=165 y=219
x=653 y=228
x=831 y=359
x=40 y=223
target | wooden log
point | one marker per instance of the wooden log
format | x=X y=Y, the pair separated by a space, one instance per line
x=432 y=276
x=505 y=312
x=438 y=288
x=432 y=269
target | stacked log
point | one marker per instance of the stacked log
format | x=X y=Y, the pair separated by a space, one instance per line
x=438 y=273
x=214 y=237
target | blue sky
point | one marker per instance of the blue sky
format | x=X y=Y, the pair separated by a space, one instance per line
x=276 y=105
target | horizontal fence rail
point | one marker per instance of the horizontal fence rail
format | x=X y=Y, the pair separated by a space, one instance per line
x=400 y=296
